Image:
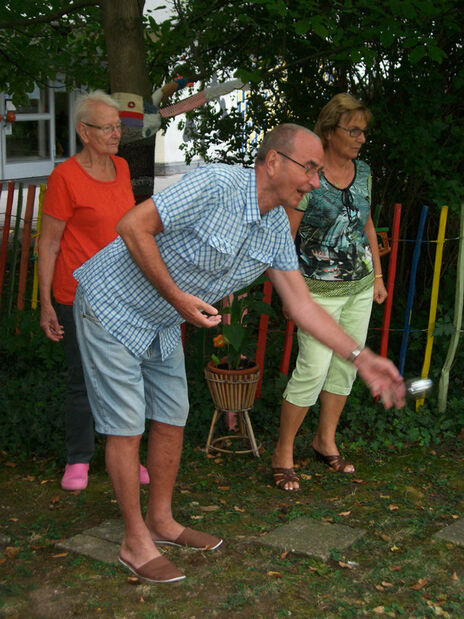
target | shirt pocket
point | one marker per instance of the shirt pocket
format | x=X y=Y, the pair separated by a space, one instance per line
x=213 y=253
x=263 y=247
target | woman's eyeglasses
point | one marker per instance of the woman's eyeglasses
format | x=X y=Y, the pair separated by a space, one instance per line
x=106 y=129
x=354 y=132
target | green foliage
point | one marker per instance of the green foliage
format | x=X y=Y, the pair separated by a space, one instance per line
x=23 y=343
x=244 y=312
x=32 y=383
x=403 y=58
x=34 y=51
x=370 y=425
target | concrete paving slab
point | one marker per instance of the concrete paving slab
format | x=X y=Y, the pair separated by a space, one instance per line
x=312 y=537
x=92 y=547
x=454 y=533
x=303 y=535
x=111 y=531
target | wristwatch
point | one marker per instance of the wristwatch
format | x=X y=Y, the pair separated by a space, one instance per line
x=354 y=354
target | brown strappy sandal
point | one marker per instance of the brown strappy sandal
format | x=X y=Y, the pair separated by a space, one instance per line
x=282 y=476
x=336 y=463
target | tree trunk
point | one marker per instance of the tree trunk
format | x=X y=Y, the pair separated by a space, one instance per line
x=124 y=37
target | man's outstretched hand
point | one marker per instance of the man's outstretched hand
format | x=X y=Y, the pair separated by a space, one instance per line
x=382 y=378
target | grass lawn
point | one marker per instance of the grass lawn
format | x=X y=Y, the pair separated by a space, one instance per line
x=397 y=569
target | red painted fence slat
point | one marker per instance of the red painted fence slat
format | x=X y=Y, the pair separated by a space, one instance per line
x=262 y=334
x=25 y=246
x=390 y=281
x=288 y=343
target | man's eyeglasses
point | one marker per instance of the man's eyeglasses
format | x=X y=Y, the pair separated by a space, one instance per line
x=106 y=129
x=310 y=169
x=355 y=132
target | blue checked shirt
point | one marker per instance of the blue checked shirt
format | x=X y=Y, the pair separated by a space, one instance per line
x=214 y=242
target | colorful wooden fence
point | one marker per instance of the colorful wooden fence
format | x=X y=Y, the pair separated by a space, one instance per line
x=390 y=245
x=412 y=289
x=434 y=297
x=16 y=255
x=15 y=249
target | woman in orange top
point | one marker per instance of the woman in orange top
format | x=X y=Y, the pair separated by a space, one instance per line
x=86 y=197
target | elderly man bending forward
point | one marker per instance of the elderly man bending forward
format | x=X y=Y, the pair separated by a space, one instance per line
x=179 y=252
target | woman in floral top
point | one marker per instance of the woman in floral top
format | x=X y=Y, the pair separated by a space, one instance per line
x=339 y=258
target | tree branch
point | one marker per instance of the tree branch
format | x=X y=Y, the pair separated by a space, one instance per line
x=10 y=61
x=46 y=19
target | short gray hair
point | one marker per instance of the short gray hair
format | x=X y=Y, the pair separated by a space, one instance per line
x=84 y=103
x=280 y=138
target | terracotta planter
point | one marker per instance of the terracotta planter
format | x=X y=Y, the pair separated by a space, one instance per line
x=232 y=390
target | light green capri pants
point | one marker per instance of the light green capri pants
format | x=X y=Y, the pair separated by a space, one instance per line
x=317 y=367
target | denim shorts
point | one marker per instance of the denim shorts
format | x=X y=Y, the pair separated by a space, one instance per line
x=123 y=389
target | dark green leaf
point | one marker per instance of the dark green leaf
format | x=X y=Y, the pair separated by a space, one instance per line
x=417 y=54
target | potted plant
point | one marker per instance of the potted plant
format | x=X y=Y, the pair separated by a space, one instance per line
x=231 y=374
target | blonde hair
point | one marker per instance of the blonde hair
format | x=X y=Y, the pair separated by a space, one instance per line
x=84 y=103
x=329 y=116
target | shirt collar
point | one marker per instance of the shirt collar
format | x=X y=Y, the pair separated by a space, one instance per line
x=252 y=213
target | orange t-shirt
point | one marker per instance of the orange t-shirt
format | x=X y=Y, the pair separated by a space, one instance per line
x=91 y=210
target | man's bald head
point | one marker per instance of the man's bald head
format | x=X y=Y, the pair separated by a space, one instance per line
x=281 y=138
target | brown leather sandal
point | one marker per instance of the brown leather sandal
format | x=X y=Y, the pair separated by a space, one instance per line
x=282 y=476
x=336 y=463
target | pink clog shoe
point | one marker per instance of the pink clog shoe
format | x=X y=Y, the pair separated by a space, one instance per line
x=75 y=476
x=144 y=477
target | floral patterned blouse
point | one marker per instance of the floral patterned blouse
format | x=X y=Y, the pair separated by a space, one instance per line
x=331 y=242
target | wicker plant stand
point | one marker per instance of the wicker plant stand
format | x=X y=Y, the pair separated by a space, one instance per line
x=232 y=391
